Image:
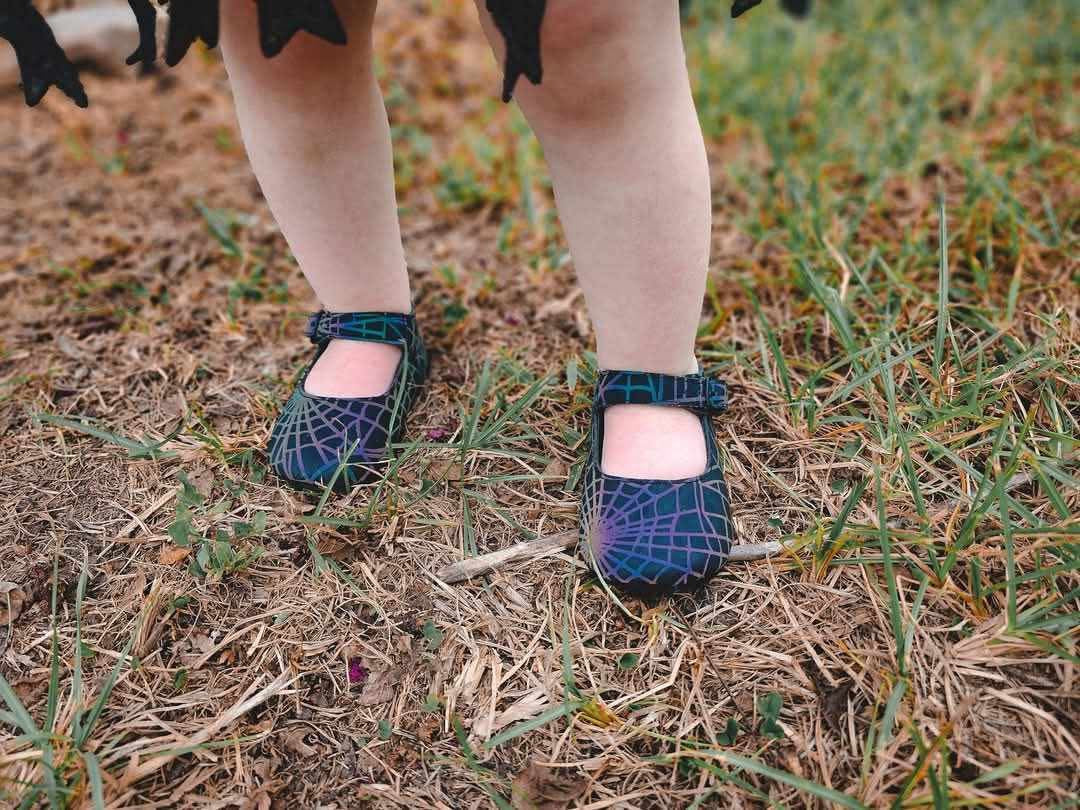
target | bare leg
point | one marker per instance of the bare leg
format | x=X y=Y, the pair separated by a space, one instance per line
x=616 y=119
x=316 y=131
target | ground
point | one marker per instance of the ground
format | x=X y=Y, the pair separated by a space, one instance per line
x=893 y=297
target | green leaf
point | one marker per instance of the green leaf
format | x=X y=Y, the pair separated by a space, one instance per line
x=433 y=635
x=220 y=224
x=731 y=732
x=629 y=660
x=769 y=708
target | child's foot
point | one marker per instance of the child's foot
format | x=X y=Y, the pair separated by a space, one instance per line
x=351 y=368
x=653 y=442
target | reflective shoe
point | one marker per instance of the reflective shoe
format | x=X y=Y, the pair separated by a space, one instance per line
x=652 y=538
x=315 y=436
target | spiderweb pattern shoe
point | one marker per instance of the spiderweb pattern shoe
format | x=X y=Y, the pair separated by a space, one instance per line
x=652 y=538
x=315 y=434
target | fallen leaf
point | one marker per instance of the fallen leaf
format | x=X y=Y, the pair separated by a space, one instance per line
x=293 y=740
x=332 y=546
x=540 y=788
x=12 y=599
x=381 y=685
x=444 y=471
x=203 y=480
x=171 y=555
x=556 y=470
x=599 y=713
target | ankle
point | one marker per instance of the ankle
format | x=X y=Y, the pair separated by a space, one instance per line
x=674 y=365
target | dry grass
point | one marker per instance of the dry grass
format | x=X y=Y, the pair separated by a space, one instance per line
x=916 y=453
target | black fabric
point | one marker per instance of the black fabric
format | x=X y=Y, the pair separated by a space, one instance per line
x=281 y=20
x=190 y=20
x=520 y=21
x=146 y=16
x=43 y=64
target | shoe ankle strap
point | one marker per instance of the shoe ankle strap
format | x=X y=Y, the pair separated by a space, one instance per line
x=695 y=392
x=372 y=327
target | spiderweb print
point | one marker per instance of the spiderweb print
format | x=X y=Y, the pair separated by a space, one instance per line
x=314 y=435
x=653 y=535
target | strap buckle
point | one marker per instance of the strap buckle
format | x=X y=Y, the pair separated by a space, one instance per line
x=314 y=326
x=715 y=399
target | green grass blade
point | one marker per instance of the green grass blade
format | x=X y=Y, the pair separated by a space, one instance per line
x=885 y=537
x=77 y=674
x=136 y=449
x=97 y=786
x=106 y=690
x=808 y=787
x=845 y=512
x=53 y=695
x=888 y=717
x=541 y=720
x=943 y=291
x=1010 y=566
x=19 y=714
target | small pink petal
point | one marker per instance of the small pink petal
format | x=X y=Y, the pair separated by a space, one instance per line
x=358 y=673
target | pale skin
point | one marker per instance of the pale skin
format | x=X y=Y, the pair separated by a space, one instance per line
x=616 y=120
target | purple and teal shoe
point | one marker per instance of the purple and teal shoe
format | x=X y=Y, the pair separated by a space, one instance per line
x=315 y=435
x=652 y=538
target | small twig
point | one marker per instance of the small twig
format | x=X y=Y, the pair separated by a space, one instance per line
x=544 y=546
x=140 y=521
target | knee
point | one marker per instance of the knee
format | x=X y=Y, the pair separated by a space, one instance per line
x=574 y=27
x=590 y=50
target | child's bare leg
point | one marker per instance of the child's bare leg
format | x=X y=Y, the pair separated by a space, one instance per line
x=316 y=131
x=617 y=123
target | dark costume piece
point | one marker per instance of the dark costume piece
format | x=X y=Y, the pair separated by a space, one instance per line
x=146 y=16
x=281 y=20
x=519 y=22
x=190 y=20
x=42 y=61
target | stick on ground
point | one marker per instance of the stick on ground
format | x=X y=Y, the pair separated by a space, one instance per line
x=543 y=546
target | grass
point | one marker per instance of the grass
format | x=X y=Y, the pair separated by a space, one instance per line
x=70 y=771
x=894 y=297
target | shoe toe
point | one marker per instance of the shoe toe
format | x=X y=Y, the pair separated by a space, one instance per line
x=314 y=435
